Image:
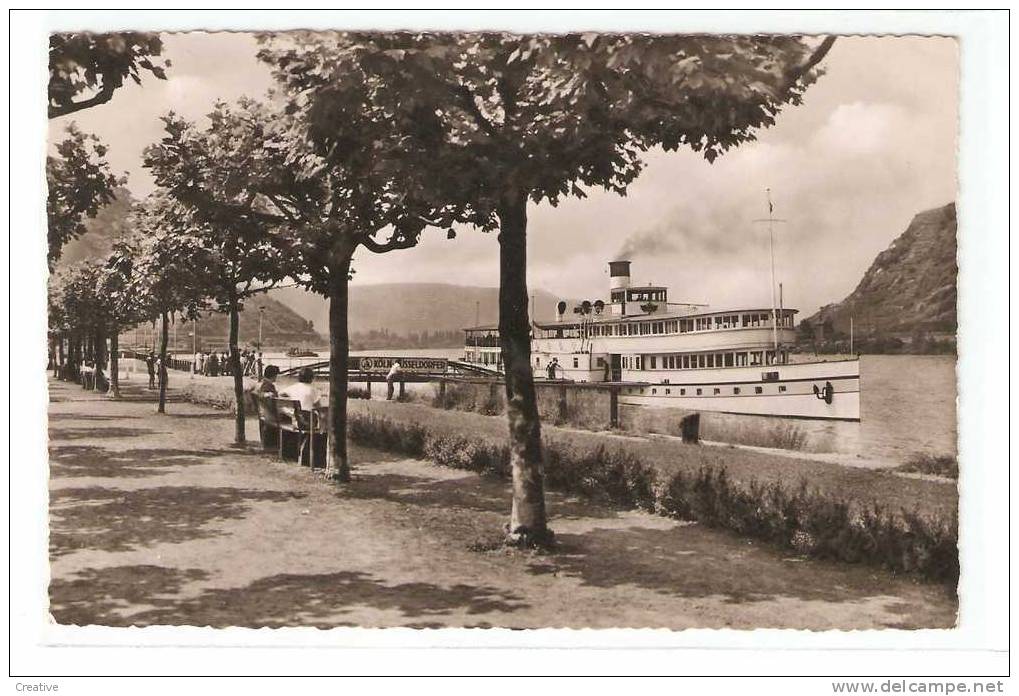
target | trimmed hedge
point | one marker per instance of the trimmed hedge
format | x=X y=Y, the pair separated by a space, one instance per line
x=800 y=518
x=935 y=465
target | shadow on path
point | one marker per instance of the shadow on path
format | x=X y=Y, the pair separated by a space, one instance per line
x=95 y=596
x=97 y=433
x=457 y=489
x=90 y=417
x=88 y=461
x=120 y=520
x=692 y=561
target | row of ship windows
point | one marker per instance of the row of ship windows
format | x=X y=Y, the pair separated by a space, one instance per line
x=671 y=326
x=701 y=360
x=716 y=391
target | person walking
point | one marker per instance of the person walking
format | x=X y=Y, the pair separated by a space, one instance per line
x=150 y=363
x=394 y=372
x=552 y=366
x=163 y=374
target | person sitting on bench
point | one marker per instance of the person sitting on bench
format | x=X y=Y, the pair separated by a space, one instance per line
x=267 y=387
x=303 y=391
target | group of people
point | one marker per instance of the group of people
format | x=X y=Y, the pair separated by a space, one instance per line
x=303 y=390
x=215 y=364
x=154 y=363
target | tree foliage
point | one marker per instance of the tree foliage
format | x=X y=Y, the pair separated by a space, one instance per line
x=256 y=167
x=163 y=263
x=491 y=120
x=79 y=183
x=543 y=114
x=96 y=65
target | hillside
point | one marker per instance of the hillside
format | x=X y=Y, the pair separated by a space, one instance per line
x=406 y=308
x=909 y=289
x=281 y=326
x=109 y=224
x=385 y=315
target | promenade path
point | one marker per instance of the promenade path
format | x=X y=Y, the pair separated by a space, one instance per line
x=156 y=519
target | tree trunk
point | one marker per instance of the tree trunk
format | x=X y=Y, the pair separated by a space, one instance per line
x=161 y=371
x=528 y=523
x=235 y=370
x=337 y=464
x=115 y=364
x=99 y=356
x=61 y=363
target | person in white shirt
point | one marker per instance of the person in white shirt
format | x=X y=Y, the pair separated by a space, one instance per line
x=303 y=391
x=394 y=372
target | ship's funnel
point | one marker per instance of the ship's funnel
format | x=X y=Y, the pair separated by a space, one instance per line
x=619 y=275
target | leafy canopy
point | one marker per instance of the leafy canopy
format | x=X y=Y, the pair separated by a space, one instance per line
x=97 y=65
x=497 y=115
x=79 y=183
x=163 y=278
x=213 y=204
x=258 y=167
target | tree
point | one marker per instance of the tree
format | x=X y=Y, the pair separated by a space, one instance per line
x=235 y=256
x=81 y=309
x=506 y=119
x=163 y=279
x=118 y=283
x=265 y=168
x=82 y=63
x=79 y=183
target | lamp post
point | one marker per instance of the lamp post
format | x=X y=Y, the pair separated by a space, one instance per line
x=261 y=313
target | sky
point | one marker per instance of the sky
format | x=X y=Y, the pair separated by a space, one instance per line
x=873 y=144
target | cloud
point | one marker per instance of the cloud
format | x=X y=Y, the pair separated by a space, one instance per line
x=872 y=144
x=861 y=129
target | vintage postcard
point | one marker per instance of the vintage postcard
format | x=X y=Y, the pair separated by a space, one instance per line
x=447 y=328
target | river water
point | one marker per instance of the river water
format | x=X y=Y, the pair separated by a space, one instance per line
x=908 y=406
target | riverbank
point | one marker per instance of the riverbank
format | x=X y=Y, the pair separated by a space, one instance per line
x=830 y=475
x=155 y=519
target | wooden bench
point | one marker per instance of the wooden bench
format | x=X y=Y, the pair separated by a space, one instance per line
x=278 y=418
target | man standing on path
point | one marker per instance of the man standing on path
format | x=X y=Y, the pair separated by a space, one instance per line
x=150 y=363
x=163 y=374
x=552 y=368
x=394 y=372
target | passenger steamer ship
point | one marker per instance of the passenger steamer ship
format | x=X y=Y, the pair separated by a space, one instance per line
x=677 y=355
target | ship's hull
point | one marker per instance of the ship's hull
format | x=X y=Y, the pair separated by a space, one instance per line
x=777 y=390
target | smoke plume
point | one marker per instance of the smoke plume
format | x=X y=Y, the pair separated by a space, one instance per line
x=653 y=241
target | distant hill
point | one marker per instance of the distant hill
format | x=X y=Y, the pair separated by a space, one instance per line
x=909 y=290
x=281 y=326
x=406 y=308
x=109 y=224
x=394 y=314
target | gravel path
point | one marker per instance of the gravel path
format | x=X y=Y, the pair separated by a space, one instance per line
x=155 y=519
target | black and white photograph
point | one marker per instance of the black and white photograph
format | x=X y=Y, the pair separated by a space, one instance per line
x=413 y=326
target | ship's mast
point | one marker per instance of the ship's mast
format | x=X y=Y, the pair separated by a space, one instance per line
x=771 y=220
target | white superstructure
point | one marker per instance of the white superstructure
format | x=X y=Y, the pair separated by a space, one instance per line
x=664 y=354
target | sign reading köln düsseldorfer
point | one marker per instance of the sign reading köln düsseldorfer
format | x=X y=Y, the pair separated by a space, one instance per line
x=382 y=365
